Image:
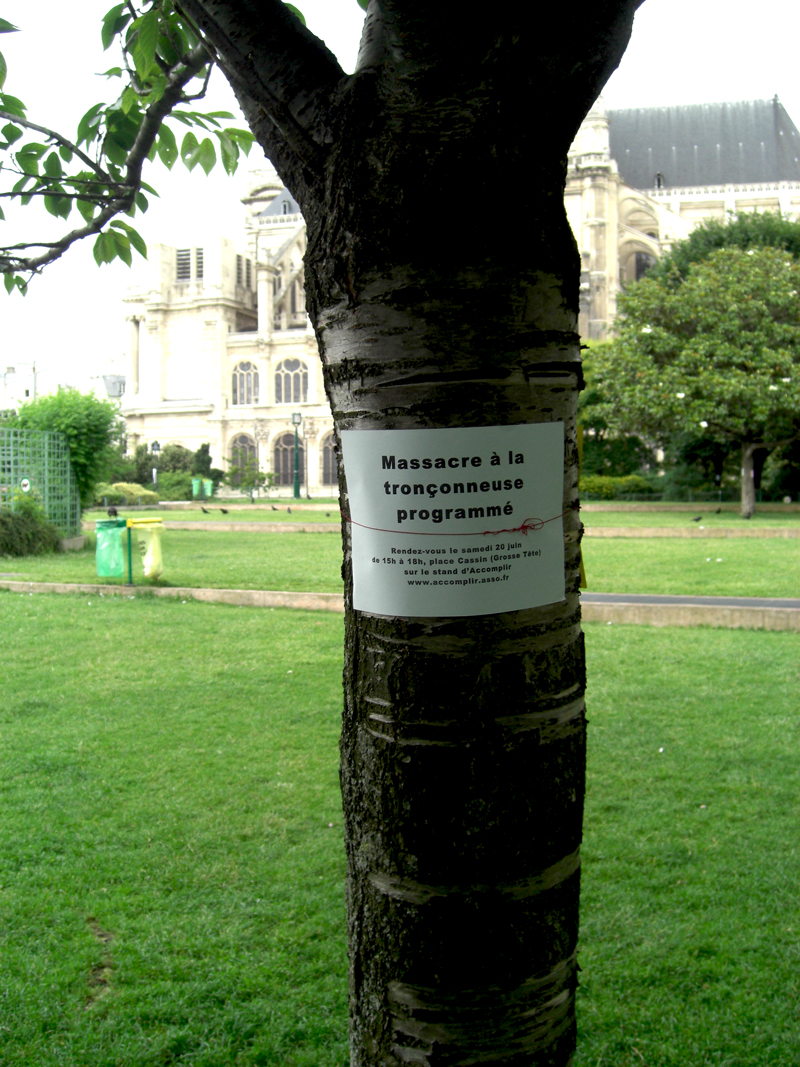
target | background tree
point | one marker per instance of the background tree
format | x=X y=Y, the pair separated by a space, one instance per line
x=463 y=743
x=245 y=474
x=90 y=425
x=605 y=451
x=718 y=353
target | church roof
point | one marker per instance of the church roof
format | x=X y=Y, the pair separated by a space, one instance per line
x=283 y=204
x=705 y=144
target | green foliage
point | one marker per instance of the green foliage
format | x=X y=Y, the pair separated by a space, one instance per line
x=135 y=494
x=201 y=463
x=105 y=495
x=90 y=426
x=605 y=487
x=747 y=230
x=175 y=485
x=163 y=68
x=25 y=531
x=246 y=475
x=175 y=458
x=717 y=356
x=604 y=451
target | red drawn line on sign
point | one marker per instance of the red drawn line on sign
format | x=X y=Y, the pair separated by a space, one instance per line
x=525 y=528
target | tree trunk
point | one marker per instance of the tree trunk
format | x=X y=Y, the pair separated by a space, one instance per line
x=442 y=282
x=748 y=481
x=463 y=742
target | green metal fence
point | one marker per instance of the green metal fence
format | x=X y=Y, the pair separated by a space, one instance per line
x=37 y=461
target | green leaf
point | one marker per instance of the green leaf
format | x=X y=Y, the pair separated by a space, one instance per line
x=167 y=146
x=113 y=72
x=113 y=21
x=144 y=50
x=229 y=152
x=52 y=166
x=105 y=249
x=363 y=4
x=207 y=155
x=298 y=14
x=122 y=246
x=189 y=147
x=6 y=27
x=134 y=236
x=89 y=125
x=86 y=209
x=11 y=132
x=60 y=206
x=2 y=216
x=3 y=70
x=8 y=282
x=141 y=202
x=128 y=99
x=65 y=153
x=12 y=104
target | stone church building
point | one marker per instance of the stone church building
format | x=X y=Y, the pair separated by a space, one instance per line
x=220 y=346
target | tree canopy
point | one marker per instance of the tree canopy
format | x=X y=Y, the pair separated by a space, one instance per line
x=716 y=354
x=90 y=426
x=162 y=72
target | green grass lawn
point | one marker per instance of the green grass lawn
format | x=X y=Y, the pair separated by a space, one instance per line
x=172 y=887
x=729 y=518
x=311 y=562
x=234 y=514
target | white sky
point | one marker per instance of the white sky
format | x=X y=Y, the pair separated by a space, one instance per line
x=71 y=323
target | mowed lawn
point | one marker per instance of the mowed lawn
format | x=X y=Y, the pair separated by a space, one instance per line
x=311 y=562
x=171 y=839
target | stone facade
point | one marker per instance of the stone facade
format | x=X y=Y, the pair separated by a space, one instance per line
x=220 y=345
x=221 y=349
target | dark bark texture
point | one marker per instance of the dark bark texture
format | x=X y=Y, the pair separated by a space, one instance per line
x=442 y=280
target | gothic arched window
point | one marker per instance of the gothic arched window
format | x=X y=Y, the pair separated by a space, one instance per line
x=283 y=457
x=330 y=466
x=291 y=382
x=243 y=451
x=244 y=383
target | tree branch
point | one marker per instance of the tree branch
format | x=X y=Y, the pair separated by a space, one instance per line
x=286 y=70
x=145 y=139
x=54 y=135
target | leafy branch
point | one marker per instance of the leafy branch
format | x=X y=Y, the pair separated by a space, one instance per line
x=165 y=66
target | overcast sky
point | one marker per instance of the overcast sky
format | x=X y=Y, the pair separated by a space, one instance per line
x=682 y=52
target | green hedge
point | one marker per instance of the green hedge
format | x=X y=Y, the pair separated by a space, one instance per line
x=26 y=534
x=607 y=487
x=135 y=494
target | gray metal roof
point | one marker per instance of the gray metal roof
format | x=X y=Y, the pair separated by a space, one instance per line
x=283 y=204
x=705 y=144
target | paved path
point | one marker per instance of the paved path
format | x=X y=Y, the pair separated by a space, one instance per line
x=727 y=612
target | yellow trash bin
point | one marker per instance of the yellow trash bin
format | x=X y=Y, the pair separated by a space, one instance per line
x=147 y=535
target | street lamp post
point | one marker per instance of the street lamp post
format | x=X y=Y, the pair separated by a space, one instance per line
x=297 y=418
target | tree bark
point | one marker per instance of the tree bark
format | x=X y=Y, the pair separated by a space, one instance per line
x=442 y=282
x=748 y=480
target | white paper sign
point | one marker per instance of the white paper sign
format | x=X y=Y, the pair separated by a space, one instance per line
x=456 y=522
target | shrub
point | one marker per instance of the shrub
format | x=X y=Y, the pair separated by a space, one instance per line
x=105 y=495
x=175 y=485
x=604 y=487
x=598 y=485
x=135 y=494
x=26 y=531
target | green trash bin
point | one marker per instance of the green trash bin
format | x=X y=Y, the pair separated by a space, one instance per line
x=110 y=555
x=208 y=486
x=197 y=493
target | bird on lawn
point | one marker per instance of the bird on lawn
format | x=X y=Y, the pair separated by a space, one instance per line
x=697 y=518
x=205 y=511
x=112 y=512
x=327 y=514
x=717 y=511
x=224 y=511
x=288 y=511
x=274 y=508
